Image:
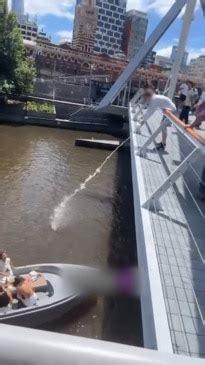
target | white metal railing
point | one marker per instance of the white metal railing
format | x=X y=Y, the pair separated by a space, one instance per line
x=154 y=197
x=192 y=137
x=26 y=346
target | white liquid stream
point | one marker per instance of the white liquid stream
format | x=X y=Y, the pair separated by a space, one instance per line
x=57 y=218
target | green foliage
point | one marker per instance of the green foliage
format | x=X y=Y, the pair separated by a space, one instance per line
x=14 y=49
x=24 y=76
x=40 y=107
x=14 y=66
x=3 y=17
x=6 y=88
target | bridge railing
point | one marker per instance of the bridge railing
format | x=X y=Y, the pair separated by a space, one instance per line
x=26 y=346
x=168 y=186
x=195 y=139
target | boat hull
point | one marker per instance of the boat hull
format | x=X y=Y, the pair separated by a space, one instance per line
x=61 y=302
x=37 y=318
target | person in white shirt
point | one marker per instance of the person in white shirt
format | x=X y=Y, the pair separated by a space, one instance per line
x=5 y=266
x=184 y=115
x=183 y=91
x=155 y=102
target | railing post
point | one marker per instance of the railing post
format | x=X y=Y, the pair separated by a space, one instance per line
x=153 y=201
x=164 y=124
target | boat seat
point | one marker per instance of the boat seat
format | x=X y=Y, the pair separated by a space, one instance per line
x=43 y=298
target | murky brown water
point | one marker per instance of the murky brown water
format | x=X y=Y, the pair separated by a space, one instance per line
x=38 y=167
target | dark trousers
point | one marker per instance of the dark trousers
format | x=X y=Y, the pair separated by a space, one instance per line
x=184 y=116
x=202 y=184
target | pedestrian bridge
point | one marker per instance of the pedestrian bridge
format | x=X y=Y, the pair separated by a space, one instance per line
x=170 y=233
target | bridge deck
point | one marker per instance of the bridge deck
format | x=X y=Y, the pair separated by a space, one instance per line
x=178 y=236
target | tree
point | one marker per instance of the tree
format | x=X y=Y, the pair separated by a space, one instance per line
x=14 y=66
x=14 y=47
x=3 y=18
x=24 y=76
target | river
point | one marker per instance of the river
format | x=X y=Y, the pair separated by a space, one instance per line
x=38 y=168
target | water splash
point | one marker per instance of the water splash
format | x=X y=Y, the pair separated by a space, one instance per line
x=57 y=218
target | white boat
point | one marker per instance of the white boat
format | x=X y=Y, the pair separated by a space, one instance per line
x=56 y=296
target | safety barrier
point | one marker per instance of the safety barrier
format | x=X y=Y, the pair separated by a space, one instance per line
x=26 y=346
x=193 y=137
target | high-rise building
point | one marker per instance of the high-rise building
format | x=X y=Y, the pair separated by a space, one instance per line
x=17 y=7
x=164 y=62
x=134 y=32
x=197 y=67
x=110 y=26
x=29 y=29
x=149 y=59
x=85 y=25
x=174 y=54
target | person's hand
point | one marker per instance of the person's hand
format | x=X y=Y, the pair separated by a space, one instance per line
x=189 y=126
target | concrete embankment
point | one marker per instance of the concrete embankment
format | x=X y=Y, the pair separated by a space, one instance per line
x=85 y=120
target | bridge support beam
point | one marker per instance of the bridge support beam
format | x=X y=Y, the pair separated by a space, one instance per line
x=188 y=18
x=143 y=52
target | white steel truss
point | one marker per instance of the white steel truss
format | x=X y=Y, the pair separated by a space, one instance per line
x=149 y=45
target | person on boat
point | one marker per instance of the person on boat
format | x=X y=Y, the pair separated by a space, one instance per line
x=5 y=297
x=6 y=270
x=25 y=291
x=155 y=102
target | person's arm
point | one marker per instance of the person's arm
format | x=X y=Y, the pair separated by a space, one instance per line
x=193 y=125
x=8 y=266
x=3 y=273
x=8 y=292
x=11 y=264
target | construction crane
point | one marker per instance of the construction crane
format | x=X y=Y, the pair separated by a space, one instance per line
x=156 y=35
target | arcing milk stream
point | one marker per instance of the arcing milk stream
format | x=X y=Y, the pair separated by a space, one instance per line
x=57 y=218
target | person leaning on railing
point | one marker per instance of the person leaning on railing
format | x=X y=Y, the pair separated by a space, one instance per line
x=200 y=113
x=155 y=102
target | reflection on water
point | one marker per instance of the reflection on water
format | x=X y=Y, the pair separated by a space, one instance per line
x=38 y=167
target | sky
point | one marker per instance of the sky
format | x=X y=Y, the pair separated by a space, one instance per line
x=56 y=18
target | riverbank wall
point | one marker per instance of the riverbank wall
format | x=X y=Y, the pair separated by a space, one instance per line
x=83 y=120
